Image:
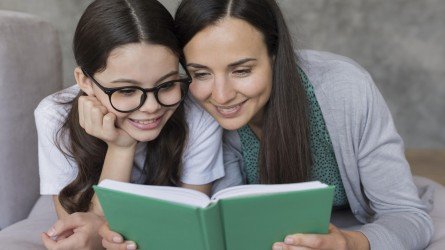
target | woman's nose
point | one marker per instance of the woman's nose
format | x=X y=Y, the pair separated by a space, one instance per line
x=223 y=91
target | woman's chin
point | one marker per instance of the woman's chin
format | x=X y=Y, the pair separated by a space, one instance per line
x=230 y=124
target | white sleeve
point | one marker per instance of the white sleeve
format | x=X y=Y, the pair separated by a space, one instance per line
x=56 y=171
x=203 y=154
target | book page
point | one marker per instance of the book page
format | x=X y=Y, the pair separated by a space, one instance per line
x=173 y=194
x=258 y=189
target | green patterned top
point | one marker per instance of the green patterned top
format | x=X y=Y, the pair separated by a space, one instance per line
x=324 y=169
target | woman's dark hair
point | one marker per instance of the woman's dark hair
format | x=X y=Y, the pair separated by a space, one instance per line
x=285 y=154
x=104 y=26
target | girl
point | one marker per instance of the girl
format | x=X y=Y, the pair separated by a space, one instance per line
x=125 y=120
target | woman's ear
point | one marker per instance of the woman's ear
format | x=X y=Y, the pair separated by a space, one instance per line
x=83 y=81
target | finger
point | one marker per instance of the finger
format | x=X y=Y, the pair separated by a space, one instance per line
x=48 y=241
x=80 y=103
x=87 y=105
x=110 y=236
x=333 y=228
x=283 y=246
x=316 y=241
x=64 y=235
x=75 y=241
x=68 y=223
x=97 y=115
x=128 y=245
x=108 y=125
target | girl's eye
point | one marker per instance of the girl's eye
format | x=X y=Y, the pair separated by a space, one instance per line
x=126 y=92
x=169 y=85
x=242 y=72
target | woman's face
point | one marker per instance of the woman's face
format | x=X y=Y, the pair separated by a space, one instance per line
x=232 y=72
x=146 y=66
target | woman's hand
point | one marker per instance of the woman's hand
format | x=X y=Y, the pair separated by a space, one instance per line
x=336 y=239
x=113 y=240
x=99 y=122
x=75 y=231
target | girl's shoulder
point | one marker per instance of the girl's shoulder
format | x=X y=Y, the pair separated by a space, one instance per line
x=196 y=117
x=56 y=106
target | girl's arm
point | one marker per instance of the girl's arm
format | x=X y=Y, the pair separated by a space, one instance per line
x=118 y=162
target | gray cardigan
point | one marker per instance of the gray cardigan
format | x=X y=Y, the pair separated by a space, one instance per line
x=369 y=152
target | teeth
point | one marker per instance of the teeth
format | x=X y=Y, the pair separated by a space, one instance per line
x=228 y=110
x=145 y=122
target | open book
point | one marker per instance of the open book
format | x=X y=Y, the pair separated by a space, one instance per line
x=241 y=217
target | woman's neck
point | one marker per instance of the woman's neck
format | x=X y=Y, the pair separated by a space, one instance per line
x=256 y=124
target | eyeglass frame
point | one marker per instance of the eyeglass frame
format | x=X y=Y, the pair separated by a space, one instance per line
x=155 y=90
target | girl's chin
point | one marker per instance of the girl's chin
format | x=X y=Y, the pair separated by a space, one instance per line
x=146 y=137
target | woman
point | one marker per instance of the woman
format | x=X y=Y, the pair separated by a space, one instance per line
x=125 y=120
x=292 y=119
x=317 y=117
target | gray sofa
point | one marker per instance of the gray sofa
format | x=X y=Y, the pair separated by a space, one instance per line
x=30 y=69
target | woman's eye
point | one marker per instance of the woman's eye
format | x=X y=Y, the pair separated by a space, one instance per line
x=201 y=76
x=242 y=72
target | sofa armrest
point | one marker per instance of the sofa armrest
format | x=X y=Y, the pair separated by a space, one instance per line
x=30 y=69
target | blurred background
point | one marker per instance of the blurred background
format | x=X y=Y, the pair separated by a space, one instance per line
x=400 y=42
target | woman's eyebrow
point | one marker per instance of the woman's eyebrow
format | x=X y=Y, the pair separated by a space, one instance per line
x=131 y=81
x=198 y=66
x=240 y=62
x=231 y=65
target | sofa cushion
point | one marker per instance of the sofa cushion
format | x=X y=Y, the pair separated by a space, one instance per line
x=25 y=234
x=30 y=69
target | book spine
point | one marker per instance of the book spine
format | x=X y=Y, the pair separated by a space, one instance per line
x=212 y=229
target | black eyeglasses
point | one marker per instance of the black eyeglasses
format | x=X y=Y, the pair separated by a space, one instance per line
x=131 y=98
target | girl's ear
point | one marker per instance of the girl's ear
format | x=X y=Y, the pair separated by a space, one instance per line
x=83 y=81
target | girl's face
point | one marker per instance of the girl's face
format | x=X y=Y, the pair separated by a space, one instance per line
x=146 y=66
x=232 y=72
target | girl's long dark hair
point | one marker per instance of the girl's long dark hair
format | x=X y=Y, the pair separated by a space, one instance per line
x=285 y=154
x=104 y=26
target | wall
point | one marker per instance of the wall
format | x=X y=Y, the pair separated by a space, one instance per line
x=400 y=42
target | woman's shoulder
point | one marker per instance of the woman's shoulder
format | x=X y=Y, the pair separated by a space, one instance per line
x=338 y=81
x=55 y=106
x=328 y=70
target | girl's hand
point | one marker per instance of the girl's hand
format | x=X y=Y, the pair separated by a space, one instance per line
x=75 y=231
x=113 y=240
x=98 y=122
x=335 y=239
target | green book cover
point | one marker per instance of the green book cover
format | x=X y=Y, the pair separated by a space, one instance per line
x=243 y=217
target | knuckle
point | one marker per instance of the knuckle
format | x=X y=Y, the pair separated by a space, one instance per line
x=96 y=110
x=317 y=243
x=342 y=244
x=105 y=243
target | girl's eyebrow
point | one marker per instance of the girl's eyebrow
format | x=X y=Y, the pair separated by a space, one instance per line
x=232 y=65
x=121 y=80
